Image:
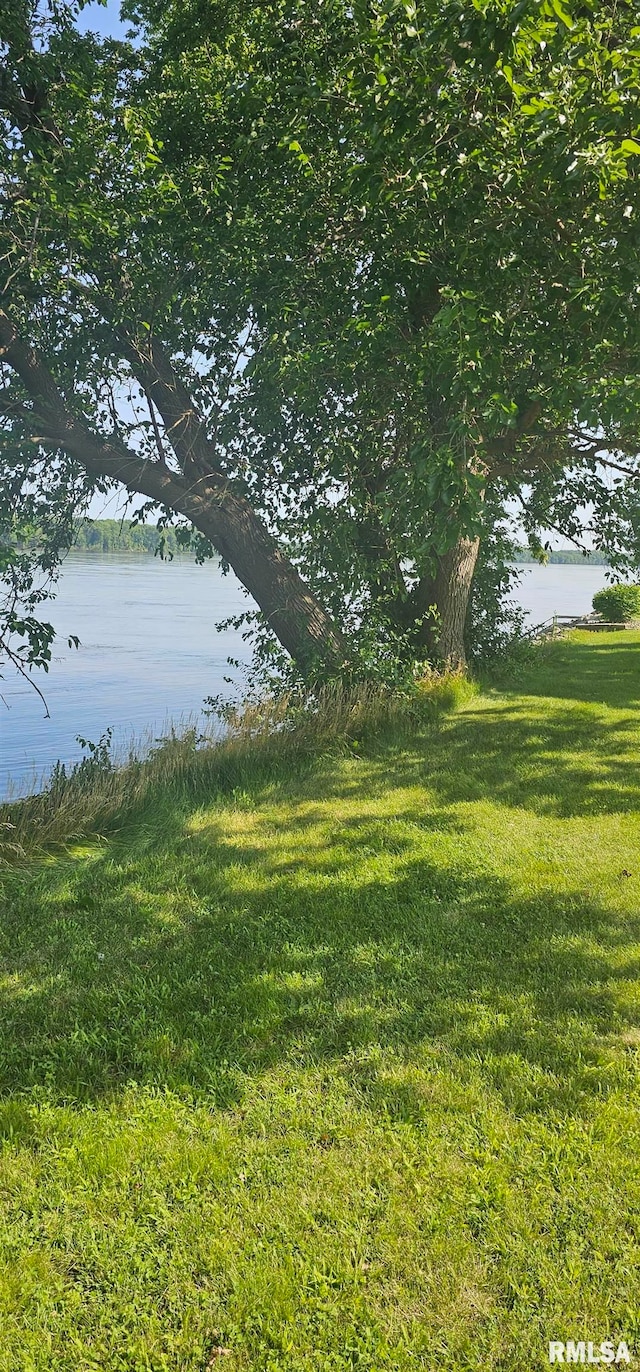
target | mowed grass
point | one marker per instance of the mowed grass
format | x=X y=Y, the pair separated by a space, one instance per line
x=339 y=1071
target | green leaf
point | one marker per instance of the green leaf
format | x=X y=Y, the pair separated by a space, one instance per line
x=562 y=13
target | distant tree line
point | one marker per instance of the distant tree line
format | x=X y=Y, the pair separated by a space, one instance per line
x=104 y=536
x=116 y=535
x=570 y=556
x=122 y=535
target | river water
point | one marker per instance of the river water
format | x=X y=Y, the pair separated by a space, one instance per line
x=149 y=653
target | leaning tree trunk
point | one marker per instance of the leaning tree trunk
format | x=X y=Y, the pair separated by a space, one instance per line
x=226 y=517
x=236 y=531
x=288 y=604
x=451 y=591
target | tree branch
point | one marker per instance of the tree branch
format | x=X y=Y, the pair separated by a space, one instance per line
x=156 y=430
x=51 y=421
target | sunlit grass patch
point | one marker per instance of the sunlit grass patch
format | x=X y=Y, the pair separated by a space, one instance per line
x=335 y=1065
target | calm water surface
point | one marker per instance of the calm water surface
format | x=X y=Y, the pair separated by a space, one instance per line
x=149 y=652
x=558 y=590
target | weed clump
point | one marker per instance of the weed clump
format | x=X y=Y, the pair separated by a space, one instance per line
x=257 y=738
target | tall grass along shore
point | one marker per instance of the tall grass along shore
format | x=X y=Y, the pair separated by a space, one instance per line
x=320 y=1046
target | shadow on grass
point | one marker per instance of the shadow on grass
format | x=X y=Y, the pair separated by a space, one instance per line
x=601 y=669
x=566 y=762
x=186 y=960
x=563 y=758
x=195 y=966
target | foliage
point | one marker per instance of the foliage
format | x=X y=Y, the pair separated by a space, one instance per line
x=426 y=205
x=337 y=1065
x=446 y=237
x=28 y=572
x=83 y=776
x=618 y=603
x=389 y=250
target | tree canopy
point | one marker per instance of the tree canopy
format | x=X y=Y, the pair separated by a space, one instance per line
x=331 y=283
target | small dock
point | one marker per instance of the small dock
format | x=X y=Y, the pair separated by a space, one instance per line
x=557 y=625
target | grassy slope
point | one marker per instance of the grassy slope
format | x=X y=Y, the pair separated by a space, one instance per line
x=342 y=1075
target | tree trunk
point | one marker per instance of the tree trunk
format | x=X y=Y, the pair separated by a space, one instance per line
x=451 y=591
x=448 y=594
x=292 y=611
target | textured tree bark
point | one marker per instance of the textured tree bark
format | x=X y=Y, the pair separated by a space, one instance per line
x=447 y=592
x=293 y=612
x=451 y=591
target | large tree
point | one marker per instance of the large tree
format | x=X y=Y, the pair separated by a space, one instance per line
x=118 y=361
x=452 y=281
x=369 y=267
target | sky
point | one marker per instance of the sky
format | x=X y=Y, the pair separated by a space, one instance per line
x=102 y=19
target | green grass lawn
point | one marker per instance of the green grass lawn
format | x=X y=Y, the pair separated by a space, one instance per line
x=339 y=1071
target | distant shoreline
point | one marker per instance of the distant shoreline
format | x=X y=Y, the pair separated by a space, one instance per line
x=123 y=536
x=563 y=558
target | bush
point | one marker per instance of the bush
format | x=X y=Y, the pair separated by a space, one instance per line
x=618 y=603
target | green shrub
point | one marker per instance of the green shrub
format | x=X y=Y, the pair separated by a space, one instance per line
x=618 y=603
